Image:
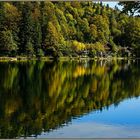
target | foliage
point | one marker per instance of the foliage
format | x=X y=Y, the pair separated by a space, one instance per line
x=67 y=27
x=77 y=46
x=131 y=7
x=7 y=45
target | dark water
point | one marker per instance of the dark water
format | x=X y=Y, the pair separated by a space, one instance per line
x=70 y=99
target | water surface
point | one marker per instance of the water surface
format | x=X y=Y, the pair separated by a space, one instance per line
x=72 y=99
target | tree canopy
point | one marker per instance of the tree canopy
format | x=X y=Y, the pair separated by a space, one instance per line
x=131 y=7
x=66 y=28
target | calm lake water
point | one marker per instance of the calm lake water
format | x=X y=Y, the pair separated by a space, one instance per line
x=71 y=99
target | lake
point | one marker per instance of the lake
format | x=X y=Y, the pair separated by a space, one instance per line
x=70 y=99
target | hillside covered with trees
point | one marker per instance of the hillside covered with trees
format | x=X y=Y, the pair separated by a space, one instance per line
x=67 y=29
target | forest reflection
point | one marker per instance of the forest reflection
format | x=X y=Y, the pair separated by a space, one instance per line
x=39 y=96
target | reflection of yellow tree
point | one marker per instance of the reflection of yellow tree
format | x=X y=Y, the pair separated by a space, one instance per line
x=46 y=95
x=11 y=73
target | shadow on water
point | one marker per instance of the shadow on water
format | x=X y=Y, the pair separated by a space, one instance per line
x=41 y=96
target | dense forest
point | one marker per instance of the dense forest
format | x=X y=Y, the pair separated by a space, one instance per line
x=42 y=96
x=67 y=29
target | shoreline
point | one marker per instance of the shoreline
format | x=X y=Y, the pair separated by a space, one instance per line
x=47 y=58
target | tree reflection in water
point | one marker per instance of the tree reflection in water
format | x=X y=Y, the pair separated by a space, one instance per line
x=41 y=96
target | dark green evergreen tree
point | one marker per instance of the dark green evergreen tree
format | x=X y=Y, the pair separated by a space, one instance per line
x=26 y=28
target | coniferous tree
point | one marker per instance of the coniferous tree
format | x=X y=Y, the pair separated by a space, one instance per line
x=37 y=35
x=26 y=29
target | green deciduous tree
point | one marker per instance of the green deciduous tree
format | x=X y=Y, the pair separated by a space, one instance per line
x=7 y=43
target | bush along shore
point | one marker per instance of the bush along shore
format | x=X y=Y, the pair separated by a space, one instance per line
x=53 y=30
